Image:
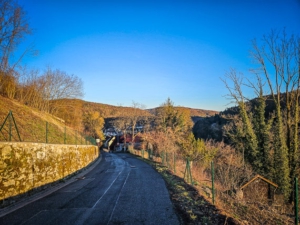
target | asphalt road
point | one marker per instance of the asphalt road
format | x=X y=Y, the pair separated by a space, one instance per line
x=119 y=190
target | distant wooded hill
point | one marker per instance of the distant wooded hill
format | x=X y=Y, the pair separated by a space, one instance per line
x=193 y=112
x=72 y=108
x=212 y=127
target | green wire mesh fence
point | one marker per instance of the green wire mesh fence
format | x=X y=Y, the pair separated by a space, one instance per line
x=41 y=132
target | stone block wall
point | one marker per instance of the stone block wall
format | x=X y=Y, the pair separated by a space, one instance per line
x=25 y=166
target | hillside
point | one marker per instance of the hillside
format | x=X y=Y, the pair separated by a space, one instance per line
x=193 y=112
x=73 y=108
x=109 y=111
x=212 y=126
x=31 y=124
x=117 y=111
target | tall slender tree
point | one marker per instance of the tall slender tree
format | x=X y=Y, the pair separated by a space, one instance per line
x=248 y=135
x=278 y=60
x=13 y=29
x=262 y=125
x=135 y=118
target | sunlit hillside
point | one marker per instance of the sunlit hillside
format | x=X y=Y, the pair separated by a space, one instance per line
x=32 y=125
x=193 y=112
x=72 y=108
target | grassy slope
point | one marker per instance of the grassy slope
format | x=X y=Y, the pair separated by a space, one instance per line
x=31 y=124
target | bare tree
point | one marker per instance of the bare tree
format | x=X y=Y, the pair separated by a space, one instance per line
x=26 y=85
x=122 y=124
x=60 y=85
x=13 y=28
x=30 y=89
x=231 y=171
x=134 y=118
x=248 y=134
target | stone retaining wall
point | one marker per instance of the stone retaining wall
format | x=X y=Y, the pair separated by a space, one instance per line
x=25 y=166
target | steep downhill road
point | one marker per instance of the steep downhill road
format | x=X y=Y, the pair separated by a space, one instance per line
x=119 y=190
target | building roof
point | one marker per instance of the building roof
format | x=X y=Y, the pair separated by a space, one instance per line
x=259 y=177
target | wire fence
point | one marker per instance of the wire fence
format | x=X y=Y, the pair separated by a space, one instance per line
x=21 y=130
x=182 y=167
x=204 y=179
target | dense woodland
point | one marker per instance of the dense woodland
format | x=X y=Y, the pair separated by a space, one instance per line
x=257 y=136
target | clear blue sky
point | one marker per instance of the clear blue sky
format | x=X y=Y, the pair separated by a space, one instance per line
x=147 y=51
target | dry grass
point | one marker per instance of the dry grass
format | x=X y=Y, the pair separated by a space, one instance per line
x=31 y=125
x=185 y=197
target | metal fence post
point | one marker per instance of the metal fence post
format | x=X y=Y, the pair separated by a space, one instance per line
x=46 y=132
x=65 y=135
x=13 y=119
x=190 y=173
x=167 y=160
x=163 y=158
x=212 y=182
x=75 y=137
x=10 y=127
x=296 y=200
x=174 y=159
